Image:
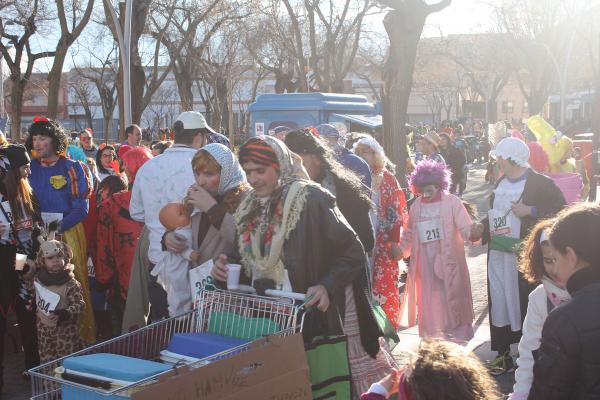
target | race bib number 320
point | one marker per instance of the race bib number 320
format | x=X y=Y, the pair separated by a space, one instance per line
x=430 y=231
x=499 y=222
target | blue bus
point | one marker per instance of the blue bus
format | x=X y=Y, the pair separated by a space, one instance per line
x=302 y=110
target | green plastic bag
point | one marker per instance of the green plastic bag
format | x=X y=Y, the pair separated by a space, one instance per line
x=505 y=244
x=384 y=324
x=329 y=368
x=235 y=325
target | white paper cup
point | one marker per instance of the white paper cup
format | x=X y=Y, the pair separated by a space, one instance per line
x=20 y=261
x=233 y=276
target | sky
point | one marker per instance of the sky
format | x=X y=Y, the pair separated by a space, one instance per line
x=462 y=16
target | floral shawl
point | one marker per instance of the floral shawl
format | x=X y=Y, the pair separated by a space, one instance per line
x=264 y=224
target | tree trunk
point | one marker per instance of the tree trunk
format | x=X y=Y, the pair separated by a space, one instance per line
x=404 y=26
x=492 y=111
x=16 y=109
x=54 y=78
x=184 y=88
x=399 y=69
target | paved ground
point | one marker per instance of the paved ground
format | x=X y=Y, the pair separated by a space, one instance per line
x=477 y=193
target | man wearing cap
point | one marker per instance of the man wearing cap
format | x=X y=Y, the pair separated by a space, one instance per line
x=163 y=180
x=430 y=147
x=521 y=198
x=344 y=156
x=87 y=143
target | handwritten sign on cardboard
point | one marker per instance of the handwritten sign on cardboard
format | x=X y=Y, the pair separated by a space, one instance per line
x=274 y=368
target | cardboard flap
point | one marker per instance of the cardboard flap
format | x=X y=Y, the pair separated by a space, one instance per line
x=268 y=360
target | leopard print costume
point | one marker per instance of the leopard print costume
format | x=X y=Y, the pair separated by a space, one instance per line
x=58 y=339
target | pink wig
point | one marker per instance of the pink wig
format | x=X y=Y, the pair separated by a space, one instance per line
x=538 y=159
x=134 y=158
x=428 y=172
x=518 y=135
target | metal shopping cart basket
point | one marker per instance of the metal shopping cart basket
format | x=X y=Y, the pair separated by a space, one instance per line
x=240 y=315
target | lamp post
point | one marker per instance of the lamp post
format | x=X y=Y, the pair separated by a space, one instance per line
x=124 y=41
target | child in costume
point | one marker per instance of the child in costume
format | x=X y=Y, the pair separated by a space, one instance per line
x=172 y=270
x=537 y=265
x=438 y=289
x=59 y=299
x=440 y=370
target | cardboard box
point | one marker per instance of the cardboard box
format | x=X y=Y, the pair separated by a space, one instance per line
x=273 y=368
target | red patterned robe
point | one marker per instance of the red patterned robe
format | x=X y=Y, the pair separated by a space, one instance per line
x=391 y=213
x=117 y=236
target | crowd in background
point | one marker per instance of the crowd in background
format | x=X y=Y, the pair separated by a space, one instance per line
x=110 y=232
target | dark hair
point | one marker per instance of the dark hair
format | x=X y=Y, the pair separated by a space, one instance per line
x=531 y=261
x=578 y=227
x=130 y=128
x=354 y=137
x=99 y=165
x=303 y=142
x=186 y=136
x=445 y=135
x=444 y=370
x=15 y=188
x=161 y=146
x=51 y=129
x=114 y=183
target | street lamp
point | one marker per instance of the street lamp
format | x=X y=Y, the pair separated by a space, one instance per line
x=124 y=41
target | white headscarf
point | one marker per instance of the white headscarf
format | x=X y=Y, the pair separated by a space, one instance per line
x=232 y=174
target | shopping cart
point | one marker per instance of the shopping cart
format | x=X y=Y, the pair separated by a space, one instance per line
x=239 y=315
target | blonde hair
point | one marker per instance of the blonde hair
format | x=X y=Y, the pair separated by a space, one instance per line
x=204 y=161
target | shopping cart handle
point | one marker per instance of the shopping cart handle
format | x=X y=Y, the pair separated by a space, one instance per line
x=289 y=295
x=273 y=293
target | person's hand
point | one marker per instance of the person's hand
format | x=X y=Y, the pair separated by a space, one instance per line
x=391 y=382
x=476 y=231
x=521 y=210
x=200 y=198
x=175 y=243
x=396 y=252
x=220 y=269
x=320 y=297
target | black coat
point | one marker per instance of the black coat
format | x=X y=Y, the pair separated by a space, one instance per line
x=356 y=212
x=455 y=160
x=324 y=250
x=567 y=364
x=540 y=192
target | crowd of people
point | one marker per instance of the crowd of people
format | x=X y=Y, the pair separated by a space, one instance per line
x=110 y=232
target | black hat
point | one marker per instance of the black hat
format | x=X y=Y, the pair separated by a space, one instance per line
x=303 y=142
x=17 y=155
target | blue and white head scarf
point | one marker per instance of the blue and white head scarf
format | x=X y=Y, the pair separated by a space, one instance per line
x=232 y=174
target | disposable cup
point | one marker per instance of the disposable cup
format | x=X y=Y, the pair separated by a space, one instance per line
x=233 y=276
x=20 y=261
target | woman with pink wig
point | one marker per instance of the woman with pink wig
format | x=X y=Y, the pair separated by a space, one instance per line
x=438 y=288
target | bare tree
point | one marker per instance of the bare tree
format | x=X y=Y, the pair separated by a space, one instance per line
x=85 y=94
x=537 y=30
x=18 y=24
x=487 y=61
x=72 y=17
x=205 y=21
x=99 y=66
x=404 y=24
